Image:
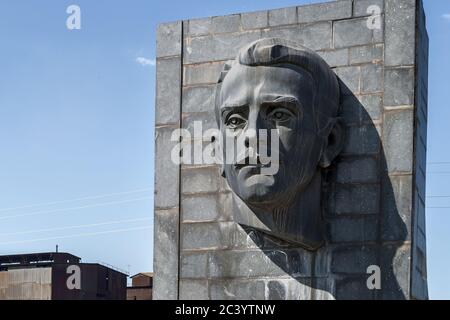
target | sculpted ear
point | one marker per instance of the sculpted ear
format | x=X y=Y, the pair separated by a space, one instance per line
x=334 y=142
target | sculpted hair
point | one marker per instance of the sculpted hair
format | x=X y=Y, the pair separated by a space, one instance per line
x=276 y=51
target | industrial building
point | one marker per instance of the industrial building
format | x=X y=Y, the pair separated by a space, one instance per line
x=141 y=287
x=58 y=276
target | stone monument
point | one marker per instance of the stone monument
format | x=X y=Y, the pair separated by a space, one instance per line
x=343 y=85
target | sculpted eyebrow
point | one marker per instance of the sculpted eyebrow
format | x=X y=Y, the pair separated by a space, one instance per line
x=229 y=107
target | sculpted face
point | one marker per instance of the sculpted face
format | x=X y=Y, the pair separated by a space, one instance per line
x=279 y=88
x=271 y=97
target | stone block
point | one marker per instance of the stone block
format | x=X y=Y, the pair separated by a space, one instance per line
x=371 y=78
x=366 y=54
x=399 y=87
x=400 y=32
x=396 y=208
x=361 y=229
x=199 y=99
x=200 y=180
x=197 y=27
x=168 y=92
x=217 y=47
x=199 y=208
x=325 y=11
x=363 y=140
x=282 y=16
x=356 y=199
x=353 y=288
x=355 y=32
x=335 y=58
x=193 y=290
x=398 y=140
x=350 y=76
x=205 y=235
x=255 y=20
x=229 y=23
x=168 y=41
x=193 y=265
x=237 y=290
x=353 y=259
x=165 y=283
x=167 y=175
x=315 y=36
x=205 y=73
x=358 y=170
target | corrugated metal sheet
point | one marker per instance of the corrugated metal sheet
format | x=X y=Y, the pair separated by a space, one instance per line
x=26 y=284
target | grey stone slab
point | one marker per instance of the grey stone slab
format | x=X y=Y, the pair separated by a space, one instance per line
x=358 y=170
x=197 y=27
x=371 y=78
x=277 y=289
x=366 y=54
x=199 y=99
x=361 y=7
x=353 y=288
x=325 y=11
x=207 y=120
x=396 y=207
x=350 y=76
x=217 y=47
x=353 y=259
x=167 y=176
x=373 y=105
x=364 y=109
x=399 y=87
x=323 y=289
x=168 y=91
x=396 y=277
x=398 y=140
x=193 y=265
x=200 y=180
x=315 y=36
x=205 y=73
x=237 y=290
x=400 y=32
x=349 y=33
x=283 y=16
x=335 y=58
x=255 y=20
x=199 y=208
x=193 y=290
x=205 y=235
x=165 y=265
x=168 y=41
x=363 y=140
x=356 y=199
x=300 y=289
x=362 y=229
x=244 y=264
x=223 y=24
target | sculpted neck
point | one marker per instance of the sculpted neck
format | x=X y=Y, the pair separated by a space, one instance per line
x=299 y=222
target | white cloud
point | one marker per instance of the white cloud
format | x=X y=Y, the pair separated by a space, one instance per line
x=446 y=16
x=145 y=62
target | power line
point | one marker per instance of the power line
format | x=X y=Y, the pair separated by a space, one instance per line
x=76 y=199
x=73 y=227
x=76 y=235
x=72 y=208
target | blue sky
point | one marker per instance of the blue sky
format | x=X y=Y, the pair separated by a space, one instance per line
x=77 y=117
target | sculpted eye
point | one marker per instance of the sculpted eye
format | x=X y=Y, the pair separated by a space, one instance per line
x=280 y=115
x=235 y=121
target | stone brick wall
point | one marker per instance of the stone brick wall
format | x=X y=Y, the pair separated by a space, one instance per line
x=374 y=198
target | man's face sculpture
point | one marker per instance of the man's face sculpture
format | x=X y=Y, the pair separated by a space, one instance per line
x=277 y=85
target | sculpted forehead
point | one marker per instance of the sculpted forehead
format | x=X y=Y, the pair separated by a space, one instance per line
x=245 y=84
